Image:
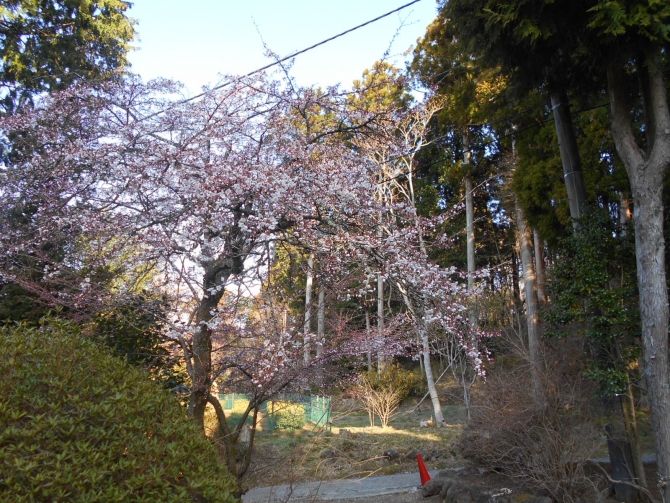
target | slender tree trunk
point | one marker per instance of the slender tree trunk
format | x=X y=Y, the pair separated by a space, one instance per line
x=532 y=318
x=516 y=292
x=539 y=267
x=567 y=143
x=630 y=423
x=308 y=310
x=470 y=224
x=430 y=379
x=421 y=369
x=380 y=322
x=368 y=331
x=321 y=323
x=425 y=355
x=646 y=171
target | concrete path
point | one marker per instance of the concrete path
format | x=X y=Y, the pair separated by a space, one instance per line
x=337 y=489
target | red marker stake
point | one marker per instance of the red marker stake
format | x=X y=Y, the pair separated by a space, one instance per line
x=422 y=470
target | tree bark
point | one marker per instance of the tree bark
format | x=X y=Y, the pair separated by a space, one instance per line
x=215 y=276
x=367 y=331
x=216 y=273
x=308 y=310
x=380 y=321
x=430 y=379
x=567 y=144
x=470 y=231
x=539 y=267
x=630 y=423
x=321 y=323
x=646 y=171
x=425 y=355
x=532 y=317
x=469 y=211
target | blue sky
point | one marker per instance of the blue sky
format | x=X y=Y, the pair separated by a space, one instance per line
x=195 y=41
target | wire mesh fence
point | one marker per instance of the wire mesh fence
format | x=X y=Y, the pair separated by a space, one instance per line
x=285 y=411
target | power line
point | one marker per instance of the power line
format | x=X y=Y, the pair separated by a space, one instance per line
x=279 y=61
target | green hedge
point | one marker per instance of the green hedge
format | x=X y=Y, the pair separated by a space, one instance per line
x=77 y=424
x=287 y=415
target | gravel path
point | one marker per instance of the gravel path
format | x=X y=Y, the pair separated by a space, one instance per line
x=399 y=488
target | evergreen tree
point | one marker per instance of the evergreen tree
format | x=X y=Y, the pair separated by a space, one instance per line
x=46 y=45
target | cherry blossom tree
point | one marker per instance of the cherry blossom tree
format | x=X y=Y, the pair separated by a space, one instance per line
x=135 y=184
x=429 y=301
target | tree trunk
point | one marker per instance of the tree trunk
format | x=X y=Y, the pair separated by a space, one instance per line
x=308 y=310
x=367 y=331
x=646 y=172
x=630 y=423
x=470 y=231
x=430 y=379
x=417 y=314
x=215 y=275
x=380 y=321
x=539 y=267
x=532 y=318
x=567 y=144
x=516 y=292
x=202 y=363
x=321 y=323
x=470 y=234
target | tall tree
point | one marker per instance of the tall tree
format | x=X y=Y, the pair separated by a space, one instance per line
x=646 y=165
x=534 y=43
x=532 y=313
x=47 y=45
x=594 y=39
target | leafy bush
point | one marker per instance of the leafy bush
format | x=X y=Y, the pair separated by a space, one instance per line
x=287 y=415
x=383 y=392
x=594 y=294
x=393 y=375
x=77 y=424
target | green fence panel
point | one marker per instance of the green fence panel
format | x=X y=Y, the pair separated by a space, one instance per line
x=317 y=408
x=228 y=399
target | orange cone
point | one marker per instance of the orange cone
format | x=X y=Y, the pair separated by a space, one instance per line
x=422 y=470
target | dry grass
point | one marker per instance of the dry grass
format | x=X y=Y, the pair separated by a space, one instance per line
x=354 y=449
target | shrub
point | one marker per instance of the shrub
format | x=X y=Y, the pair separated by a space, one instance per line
x=542 y=444
x=383 y=392
x=78 y=424
x=287 y=415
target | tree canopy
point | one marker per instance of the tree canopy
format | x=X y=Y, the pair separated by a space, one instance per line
x=47 y=45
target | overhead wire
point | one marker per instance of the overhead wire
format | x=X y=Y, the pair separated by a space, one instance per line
x=279 y=61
